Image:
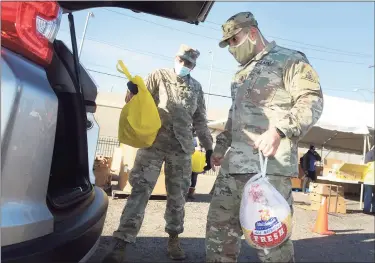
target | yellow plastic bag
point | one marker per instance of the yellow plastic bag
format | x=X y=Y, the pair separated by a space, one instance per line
x=139 y=119
x=198 y=161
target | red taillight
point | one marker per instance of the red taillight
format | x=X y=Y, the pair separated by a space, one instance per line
x=29 y=29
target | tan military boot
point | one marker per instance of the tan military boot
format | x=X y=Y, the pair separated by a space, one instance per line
x=175 y=251
x=191 y=193
x=117 y=252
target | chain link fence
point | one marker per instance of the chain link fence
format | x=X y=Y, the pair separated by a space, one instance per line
x=106 y=146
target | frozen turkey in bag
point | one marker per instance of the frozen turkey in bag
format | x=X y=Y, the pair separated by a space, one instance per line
x=265 y=215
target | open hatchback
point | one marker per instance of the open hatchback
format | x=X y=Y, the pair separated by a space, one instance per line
x=51 y=209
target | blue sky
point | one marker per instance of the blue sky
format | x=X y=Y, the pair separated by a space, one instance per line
x=337 y=37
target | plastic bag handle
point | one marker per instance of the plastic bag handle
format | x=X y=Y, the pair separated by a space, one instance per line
x=123 y=69
x=263 y=164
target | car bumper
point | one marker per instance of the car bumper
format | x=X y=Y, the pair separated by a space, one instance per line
x=70 y=243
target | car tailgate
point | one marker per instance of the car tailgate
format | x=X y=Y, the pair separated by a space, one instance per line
x=192 y=12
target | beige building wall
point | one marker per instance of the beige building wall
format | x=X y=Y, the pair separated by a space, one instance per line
x=109 y=105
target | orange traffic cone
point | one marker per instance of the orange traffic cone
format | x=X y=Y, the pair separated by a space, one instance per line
x=321 y=224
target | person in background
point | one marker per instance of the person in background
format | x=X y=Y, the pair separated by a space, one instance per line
x=194 y=175
x=369 y=190
x=308 y=166
x=301 y=162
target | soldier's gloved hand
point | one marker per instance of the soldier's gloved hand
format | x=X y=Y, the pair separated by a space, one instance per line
x=208 y=160
x=132 y=87
x=132 y=90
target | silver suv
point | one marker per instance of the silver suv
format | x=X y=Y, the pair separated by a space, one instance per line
x=51 y=209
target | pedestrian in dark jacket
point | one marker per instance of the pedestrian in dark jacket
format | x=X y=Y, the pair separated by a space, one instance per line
x=308 y=166
x=194 y=176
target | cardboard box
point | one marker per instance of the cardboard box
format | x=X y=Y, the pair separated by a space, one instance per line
x=123 y=179
x=319 y=170
x=127 y=162
x=296 y=183
x=335 y=204
x=326 y=189
x=159 y=189
x=330 y=163
x=102 y=172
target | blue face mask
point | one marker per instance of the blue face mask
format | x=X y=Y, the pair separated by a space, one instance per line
x=181 y=70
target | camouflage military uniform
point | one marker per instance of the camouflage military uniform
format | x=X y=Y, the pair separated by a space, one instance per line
x=181 y=106
x=278 y=88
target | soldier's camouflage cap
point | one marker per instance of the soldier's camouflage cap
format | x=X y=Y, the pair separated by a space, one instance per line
x=235 y=24
x=188 y=53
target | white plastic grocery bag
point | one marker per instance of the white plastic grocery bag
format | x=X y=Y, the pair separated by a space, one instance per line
x=265 y=215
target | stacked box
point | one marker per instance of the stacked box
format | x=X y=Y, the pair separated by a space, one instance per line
x=326 y=189
x=334 y=194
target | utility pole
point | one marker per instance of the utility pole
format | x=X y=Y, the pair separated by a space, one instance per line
x=209 y=78
x=90 y=14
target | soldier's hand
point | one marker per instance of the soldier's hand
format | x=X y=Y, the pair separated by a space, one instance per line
x=129 y=96
x=208 y=160
x=216 y=160
x=268 y=142
x=132 y=90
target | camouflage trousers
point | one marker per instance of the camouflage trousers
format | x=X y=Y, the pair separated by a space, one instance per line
x=223 y=230
x=143 y=177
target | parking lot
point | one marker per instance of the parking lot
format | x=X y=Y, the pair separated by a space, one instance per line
x=353 y=242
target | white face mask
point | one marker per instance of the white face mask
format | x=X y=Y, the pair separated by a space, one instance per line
x=181 y=70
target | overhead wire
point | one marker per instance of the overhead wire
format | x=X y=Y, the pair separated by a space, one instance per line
x=338 y=52
x=163 y=57
x=158 y=55
x=299 y=42
x=206 y=93
x=122 y=77
x=220 y=70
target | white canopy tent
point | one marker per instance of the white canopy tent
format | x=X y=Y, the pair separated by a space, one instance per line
x=345 y=126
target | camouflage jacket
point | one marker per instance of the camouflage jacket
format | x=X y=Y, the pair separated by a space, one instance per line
x=277 y=88
x=181 y=107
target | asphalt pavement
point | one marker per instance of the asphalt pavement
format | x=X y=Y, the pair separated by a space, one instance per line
x=354 y=240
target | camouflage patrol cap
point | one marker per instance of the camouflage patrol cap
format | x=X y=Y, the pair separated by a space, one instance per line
x=188 y=53
x=235 y=24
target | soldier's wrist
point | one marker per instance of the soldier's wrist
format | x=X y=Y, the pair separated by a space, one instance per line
x=280 y=133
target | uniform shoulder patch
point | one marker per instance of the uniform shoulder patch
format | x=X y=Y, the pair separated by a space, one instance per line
x=309 y=74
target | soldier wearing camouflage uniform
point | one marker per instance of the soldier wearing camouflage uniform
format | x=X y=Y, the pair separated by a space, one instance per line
x=181 y=106
x=276 y=99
